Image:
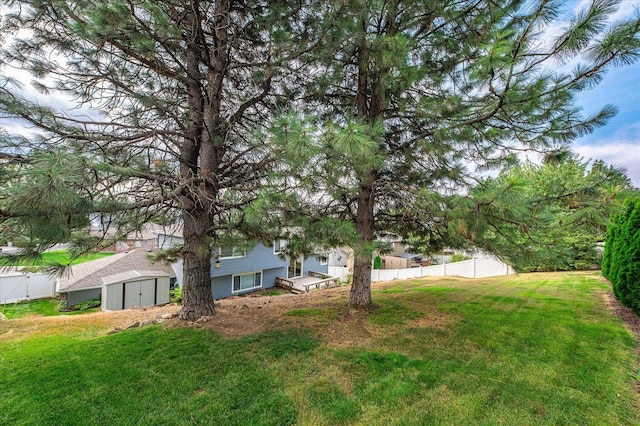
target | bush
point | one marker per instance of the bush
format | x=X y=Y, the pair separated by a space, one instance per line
x=89 y=304
x=175 y=295
x=621 y=264
x=458 y=257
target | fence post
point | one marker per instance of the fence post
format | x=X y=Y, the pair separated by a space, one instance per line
x=474 y=266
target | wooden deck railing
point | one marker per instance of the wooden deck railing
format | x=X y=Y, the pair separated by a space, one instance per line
x=319 y=274
x=328 y=282
x=325 y=280
x=283 y=282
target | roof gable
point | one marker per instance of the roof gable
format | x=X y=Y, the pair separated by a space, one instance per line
x=90 y=274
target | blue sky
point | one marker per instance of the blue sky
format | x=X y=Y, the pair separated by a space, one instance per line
x=617 y=143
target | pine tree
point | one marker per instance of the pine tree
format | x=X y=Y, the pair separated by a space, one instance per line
x=544 y=217
x=168 y=95
x=407 y=93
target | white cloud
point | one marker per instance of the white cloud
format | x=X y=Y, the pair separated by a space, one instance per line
x=621 y=149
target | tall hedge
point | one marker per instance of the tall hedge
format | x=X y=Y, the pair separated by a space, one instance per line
x=621 y=261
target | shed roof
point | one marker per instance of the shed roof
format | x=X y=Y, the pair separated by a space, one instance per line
x=132 y=275
x=90 y=274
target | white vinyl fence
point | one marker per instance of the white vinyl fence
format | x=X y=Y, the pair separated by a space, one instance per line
x=473 y=268
x=16 y=286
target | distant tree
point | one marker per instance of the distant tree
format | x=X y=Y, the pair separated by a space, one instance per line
x=544 y=217
x=404 y=95
x=166 y=97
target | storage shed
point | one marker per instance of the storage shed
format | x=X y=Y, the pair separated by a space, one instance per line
x=91 y=280
x=135 y=289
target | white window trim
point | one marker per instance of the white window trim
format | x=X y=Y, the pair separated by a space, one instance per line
x=220 y=257
x=233 y=277
x=301 y=258
x=283 y=245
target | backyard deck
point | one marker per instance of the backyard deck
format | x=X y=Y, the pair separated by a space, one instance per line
x=304 y=284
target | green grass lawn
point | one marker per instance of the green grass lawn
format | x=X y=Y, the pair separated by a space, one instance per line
x=63 y=257
x=536 y=349
x=42 y=307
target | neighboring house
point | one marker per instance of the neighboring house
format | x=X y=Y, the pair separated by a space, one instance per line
x=401 y=261
x=168 y=236
x=235 y=271
x=340 y=257
x=395 y=243
x=149 y=237
x=121 y=281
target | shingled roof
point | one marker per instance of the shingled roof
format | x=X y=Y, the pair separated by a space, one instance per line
x=89 y=274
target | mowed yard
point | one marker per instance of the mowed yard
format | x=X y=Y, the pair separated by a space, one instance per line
x=533 y=349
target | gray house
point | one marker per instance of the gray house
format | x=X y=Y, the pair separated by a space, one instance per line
x=236 y=272
x=139 y=281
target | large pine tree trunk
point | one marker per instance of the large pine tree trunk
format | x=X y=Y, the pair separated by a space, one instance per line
x=361 y=285
x=197 y=299
x=199 y=161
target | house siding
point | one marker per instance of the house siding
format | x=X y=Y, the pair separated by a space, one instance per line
x=79 y=296
x=259 y=259
x=312 y=263
x=167 y=241
x=222 y=286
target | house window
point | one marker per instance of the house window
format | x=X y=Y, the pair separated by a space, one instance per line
x=137 y=243
x=279 y=246
x=230 y=252
x=322 y=258
x=247 y=281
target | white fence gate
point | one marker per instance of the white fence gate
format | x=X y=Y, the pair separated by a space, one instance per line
x=17 y=286
x=473 y=268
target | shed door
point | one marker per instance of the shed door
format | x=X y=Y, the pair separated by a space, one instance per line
x=131 y=295
x=139 y=293
x=147 y=292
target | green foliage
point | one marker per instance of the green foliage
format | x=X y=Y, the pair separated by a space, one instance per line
x=148 y=132
x=390 y=116
x=41 y=307
x=543 y=217
x=273 y=292
x=377 y=262
x=44 y=307
x=89 y=304
x=458 y=257
x=175 y=295
x=38 y=262
x=393 y=101
x=622 y=254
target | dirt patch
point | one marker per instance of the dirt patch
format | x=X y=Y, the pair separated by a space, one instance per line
x=325 y=313
x=96 y=323
x=241 y=316
x=630 y=319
